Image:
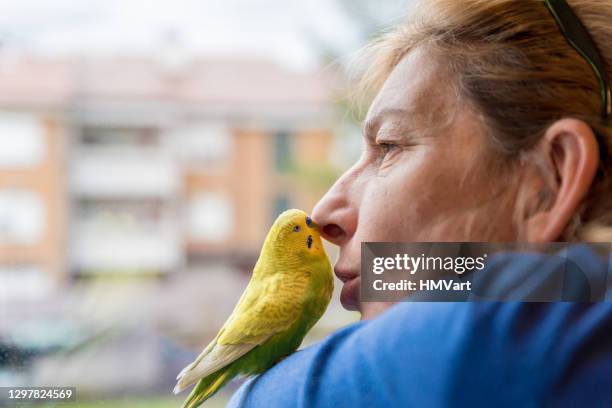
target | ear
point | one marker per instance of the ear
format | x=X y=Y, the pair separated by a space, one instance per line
x=570 y=152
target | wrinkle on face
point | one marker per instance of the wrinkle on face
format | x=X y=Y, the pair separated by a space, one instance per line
x=439 y=186
x=416 y=99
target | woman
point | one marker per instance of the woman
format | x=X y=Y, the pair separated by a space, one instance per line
x=490 y=123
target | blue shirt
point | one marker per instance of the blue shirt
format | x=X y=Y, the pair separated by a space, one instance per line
x=456 y=355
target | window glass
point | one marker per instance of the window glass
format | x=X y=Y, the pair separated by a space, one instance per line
x=22 y=142
x=210 y=217
x=22 y=217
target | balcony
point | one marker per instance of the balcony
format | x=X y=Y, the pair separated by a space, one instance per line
x=123 y=172
x=154 y=249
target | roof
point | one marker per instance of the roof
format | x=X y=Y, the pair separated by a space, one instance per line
x=241 y=83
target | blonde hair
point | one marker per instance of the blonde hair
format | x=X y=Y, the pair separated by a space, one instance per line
x=511 y=62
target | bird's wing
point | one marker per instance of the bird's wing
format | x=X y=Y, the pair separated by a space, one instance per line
x=274 y=306
x=268 y=306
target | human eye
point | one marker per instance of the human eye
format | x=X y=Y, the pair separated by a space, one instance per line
x=385 y=150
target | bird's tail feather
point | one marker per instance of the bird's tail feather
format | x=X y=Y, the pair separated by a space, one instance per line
x=206 y=387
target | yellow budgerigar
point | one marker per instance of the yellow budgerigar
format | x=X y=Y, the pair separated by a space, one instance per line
x=289 y=290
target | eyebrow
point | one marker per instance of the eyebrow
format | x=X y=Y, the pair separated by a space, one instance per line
x=372 y=125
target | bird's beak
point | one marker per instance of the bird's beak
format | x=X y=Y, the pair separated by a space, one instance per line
x=312 y=224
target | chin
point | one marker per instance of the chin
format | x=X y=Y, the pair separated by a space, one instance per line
x=349 y=295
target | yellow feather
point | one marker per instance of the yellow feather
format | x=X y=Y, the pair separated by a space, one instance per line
x=288 y=292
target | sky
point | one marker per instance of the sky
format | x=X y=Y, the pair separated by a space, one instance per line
x=285 y=30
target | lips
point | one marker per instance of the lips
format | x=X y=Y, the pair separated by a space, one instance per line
x=345 y=275
x=349 y=295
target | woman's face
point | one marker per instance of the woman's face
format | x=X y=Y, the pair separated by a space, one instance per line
x=420 y=176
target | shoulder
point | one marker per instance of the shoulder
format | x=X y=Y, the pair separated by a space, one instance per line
x=427 y=354
x=441 y=354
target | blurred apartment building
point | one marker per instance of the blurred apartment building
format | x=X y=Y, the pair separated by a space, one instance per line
x=148 y=166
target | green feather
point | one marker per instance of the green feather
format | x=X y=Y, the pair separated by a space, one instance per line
x=289 y=291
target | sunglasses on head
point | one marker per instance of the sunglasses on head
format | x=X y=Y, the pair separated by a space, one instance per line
x=578 y=37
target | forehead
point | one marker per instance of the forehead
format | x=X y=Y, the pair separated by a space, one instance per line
x=417 y=88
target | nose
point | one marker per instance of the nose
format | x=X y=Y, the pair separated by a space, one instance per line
x=336 y=212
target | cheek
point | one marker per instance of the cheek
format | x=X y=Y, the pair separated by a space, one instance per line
x=423 y=198
x=396 y=206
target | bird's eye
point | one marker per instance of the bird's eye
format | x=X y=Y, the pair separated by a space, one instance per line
x=296 y=228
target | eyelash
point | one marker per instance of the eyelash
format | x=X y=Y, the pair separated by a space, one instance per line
x=385 y=149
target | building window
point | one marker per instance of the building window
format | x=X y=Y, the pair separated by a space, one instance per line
x=22 y=217
x=282 y=151
x=210 y=217
x=122 y=137
x=208 y=145
x=22 y=141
